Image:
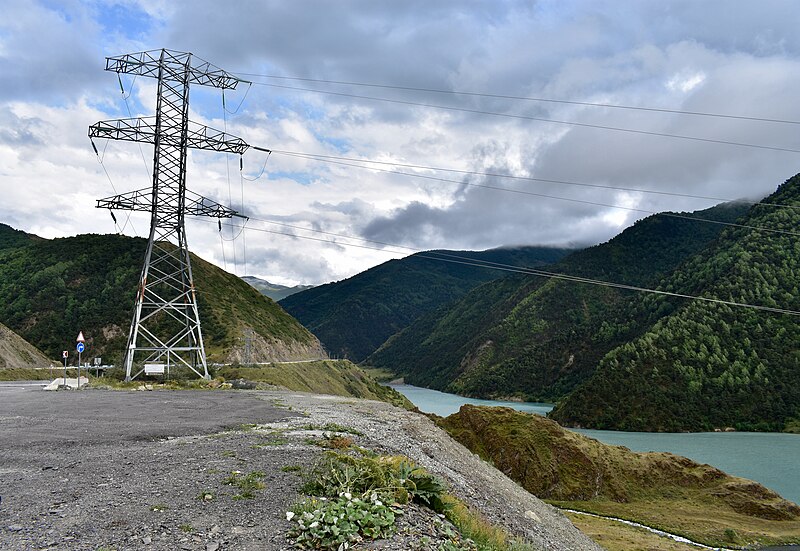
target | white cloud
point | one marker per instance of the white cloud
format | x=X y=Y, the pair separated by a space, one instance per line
x=633 y=53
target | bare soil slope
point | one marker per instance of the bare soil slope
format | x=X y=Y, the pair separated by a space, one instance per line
x=16 y=352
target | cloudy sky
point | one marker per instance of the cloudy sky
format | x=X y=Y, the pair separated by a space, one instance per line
x=727 y=57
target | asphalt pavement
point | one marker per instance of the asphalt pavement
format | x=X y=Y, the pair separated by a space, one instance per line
x=30 y=416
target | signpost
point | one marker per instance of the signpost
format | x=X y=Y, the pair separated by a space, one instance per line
x=64 y=355
x=80 y=347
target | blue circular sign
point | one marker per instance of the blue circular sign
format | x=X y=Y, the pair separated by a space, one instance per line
x=80 y=347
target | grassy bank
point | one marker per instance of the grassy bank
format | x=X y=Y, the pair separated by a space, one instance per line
x=31 y=374
x=616 y=536
x=337 y=377
x=661 y=490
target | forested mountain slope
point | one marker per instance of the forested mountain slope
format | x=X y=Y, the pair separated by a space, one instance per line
x=707 y=365
x=353 y=317
x=538 y=338
x=51 y=289
x=9 y=237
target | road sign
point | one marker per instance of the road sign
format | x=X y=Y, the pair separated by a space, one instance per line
x=65 y=354
x=80 y=337
x=81 y=347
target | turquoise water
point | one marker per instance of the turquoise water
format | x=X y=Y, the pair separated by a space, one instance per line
x=773 y=459
x=444 y=404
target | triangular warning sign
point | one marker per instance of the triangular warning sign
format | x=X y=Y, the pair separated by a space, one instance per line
x=80 y=337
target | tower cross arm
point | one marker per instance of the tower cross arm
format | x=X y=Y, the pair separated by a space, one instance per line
x=143 y=129
x=180 y=66
x=142 y=200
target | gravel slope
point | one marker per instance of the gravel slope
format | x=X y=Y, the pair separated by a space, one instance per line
x=124 y=470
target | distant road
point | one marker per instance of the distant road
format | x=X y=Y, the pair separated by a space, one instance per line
x=23 y=384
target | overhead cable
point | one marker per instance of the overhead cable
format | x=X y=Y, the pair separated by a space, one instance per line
x=321 y=157
x=529 y=98
x=539 y=119
x=551 y=275
x=534 y=194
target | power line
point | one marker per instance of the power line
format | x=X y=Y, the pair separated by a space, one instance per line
x=530 y=98
x=510 y=177
x=113 y=187
x=541 y=273
x=539 y=119
x=534 y=194
x=130 y=114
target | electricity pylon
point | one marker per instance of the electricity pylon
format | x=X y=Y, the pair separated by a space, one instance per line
x=166 y=322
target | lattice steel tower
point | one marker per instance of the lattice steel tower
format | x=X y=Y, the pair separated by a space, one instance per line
x=166 y=323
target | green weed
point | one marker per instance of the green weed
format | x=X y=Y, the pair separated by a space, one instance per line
x=247 y=484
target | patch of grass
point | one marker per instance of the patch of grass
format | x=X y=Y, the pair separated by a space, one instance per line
x=187 y=528
x=291 y=468
x=380 y=374
x=247 y=484
x=159 y=507
x=338 y=377
x=471 y=524
x=227 y=453
x=270 y=443
x=617 y=536
x=334 y=442
x=698 y=520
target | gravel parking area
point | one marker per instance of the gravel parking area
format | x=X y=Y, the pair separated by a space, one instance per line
x=121 y=470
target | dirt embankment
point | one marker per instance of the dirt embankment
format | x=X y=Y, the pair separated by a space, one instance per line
x=131 y=470
x=16 y=352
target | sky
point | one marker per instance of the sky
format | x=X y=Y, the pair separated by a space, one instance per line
x=314 y=221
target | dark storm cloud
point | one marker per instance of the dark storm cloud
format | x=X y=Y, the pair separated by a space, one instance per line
x=482 y=218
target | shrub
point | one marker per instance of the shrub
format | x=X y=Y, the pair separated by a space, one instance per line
x=339 y=522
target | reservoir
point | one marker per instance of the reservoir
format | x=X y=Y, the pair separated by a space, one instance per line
x=772 y=459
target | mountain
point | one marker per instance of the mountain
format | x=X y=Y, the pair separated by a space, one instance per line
x=10 y=237
x=355 y=316
x=273 y=290
x=537 y=338
x=705 y=365
x=662 y=490
x=51 y=289
x=16 y=352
